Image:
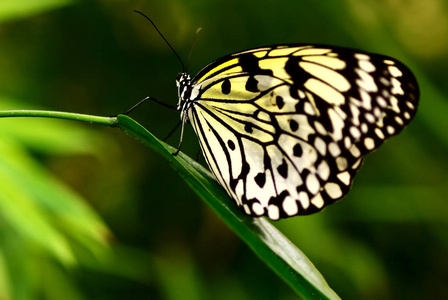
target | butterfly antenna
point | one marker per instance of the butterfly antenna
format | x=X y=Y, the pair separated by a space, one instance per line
x=191 y=48
x=172 y=49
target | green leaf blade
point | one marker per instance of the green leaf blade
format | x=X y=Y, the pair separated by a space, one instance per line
x=261 y=236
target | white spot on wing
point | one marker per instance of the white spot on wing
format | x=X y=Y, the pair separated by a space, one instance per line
x=394 y=71
x=323 y=170
x=366 y=81
x=309 y=109
x=290 y=206
x=364 y=128
x=341 y=162
x=384 y=81
x=344 y=177
x=369 y=143
x=366 y=66
x=320 y=128
x=370 y=118
x=337 y=123
x=361 y=56
x=247 y=209
x=396 y=87
x=273 y=212
x=394 y=103
x=354 y=131
x=366 y=100
x=333 y=190
x=410 y=105
x=347 y=142
x=355 y=112
x=257 y=208
x=304 y=200
x=318 y=201
x=381 y=101
x=334 y=149
x=356 y=164
x=320 y=145
x=379 y=133
x=355 y=151
x=312 y=184
x=390 y=130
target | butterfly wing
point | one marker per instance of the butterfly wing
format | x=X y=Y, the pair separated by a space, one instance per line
x=284 y=128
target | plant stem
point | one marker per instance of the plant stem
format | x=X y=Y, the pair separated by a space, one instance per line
x=107 y=121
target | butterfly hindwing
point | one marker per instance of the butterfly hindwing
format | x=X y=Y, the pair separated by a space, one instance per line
x=285 y=128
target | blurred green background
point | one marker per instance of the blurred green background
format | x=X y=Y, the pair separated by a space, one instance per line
x=88 y=213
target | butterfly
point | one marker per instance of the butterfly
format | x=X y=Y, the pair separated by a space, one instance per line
x=285 y=128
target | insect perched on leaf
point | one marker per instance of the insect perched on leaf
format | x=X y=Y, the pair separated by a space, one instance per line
x=284 y=128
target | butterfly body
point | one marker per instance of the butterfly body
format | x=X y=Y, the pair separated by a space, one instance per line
x=284 y=128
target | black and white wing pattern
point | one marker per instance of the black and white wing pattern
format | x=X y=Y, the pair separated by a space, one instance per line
x=284 y=128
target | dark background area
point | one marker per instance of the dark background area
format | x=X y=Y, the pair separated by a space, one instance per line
x=87 y=212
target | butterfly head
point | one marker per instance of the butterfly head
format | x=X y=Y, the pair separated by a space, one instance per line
x=183 y=82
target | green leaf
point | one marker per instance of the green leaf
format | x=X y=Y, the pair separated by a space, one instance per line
x=42 y=209
x=265 y=240
x=13 y=9
x=5 y=289
x=18 y=208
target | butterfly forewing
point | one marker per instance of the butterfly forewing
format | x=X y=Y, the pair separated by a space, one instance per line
x=285 y=128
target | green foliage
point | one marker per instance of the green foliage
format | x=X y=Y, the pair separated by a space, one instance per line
x=13 y=10
x=386 y=240
x=43 y=222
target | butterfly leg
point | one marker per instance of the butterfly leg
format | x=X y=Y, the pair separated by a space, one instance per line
x=152 y=99
x=184 y=119
x=172 y=131
x=198 y=155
